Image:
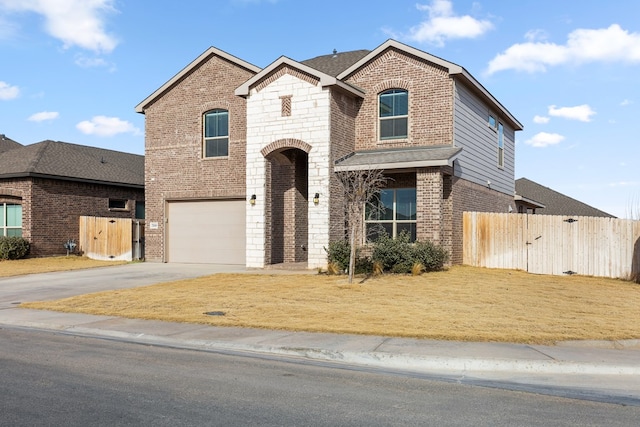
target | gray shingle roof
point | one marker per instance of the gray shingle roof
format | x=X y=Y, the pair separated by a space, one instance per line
x=335 y=63
x=396 y=158
x=63 y=160
x=555 y=203
x=7 y=143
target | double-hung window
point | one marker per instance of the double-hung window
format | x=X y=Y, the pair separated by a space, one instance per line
x=216 y=133
x=392 y=212
x=10 y=220
x=393 y=113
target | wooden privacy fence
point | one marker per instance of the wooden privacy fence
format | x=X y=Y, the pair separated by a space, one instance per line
x=111 y=239
x=553 y=244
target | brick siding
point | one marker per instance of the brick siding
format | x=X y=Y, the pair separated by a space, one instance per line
x=51 y=208
x=174 y=165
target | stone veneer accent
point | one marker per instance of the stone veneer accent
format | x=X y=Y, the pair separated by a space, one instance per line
x=309 y=123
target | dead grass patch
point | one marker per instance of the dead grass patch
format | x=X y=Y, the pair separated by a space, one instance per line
x=463 y=303
x=21 y=267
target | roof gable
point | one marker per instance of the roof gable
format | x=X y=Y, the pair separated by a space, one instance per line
x=212 y=51
x=454 y=70
x=323 y=78
x=66 y=161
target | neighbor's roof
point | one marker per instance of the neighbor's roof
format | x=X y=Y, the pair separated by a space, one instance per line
x=7 y=143
x=335 y=63
x=399 y=158
x=72 y=162
x=555 y=203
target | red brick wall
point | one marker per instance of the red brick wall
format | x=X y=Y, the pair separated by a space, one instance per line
x=344 y=110
x=430 y=100
x=174 y=166
x=51 y=208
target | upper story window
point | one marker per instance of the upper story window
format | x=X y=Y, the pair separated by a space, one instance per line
x=216 y=133
x=492 y=122
x=10 y=220
x=500 y=144
x=394 y=113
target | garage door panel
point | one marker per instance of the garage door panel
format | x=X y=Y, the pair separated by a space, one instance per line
x=208 y=231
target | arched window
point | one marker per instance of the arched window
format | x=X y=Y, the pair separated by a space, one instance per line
x=394 y=113
x=216 y=133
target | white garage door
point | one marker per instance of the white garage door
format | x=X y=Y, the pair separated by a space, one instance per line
x=207 y=231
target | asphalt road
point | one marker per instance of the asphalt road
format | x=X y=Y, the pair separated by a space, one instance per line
x=56 y=379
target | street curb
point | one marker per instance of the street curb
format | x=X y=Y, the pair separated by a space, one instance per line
x=414 y=363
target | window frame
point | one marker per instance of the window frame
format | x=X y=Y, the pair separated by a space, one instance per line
x=500 y=130
x=4 y=226
x=394 y=221
x=393 y=117
x=118 y=205
x=217 y=138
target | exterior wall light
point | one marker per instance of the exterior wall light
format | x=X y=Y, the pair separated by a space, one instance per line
x=252 y=200
x=316 y=199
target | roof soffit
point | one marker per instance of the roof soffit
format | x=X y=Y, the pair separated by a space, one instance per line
x=212 y=51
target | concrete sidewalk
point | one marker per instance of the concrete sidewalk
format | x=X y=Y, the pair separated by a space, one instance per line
x=590 y=369
x=594 y=369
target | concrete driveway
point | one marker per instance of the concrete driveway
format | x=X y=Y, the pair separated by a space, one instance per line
x=49 y=286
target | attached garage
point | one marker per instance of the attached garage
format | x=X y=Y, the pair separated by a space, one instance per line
x=206 y=231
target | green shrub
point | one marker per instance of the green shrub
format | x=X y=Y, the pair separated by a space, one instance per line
x=392 y=252
x=338 y=256
x=399 y=255
x=431 y=256
x=13 y=247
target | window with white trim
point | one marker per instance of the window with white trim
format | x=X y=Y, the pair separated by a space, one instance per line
x=500 y=145
x=216 y=133
x=393 y=114
x=11 y=219
x=392 y=212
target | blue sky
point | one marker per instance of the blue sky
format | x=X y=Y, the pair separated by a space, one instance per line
x=73 y=70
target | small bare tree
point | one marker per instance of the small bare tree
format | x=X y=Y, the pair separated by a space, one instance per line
x=359 y=187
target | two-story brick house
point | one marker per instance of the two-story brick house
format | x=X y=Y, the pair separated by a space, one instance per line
x=240 y=162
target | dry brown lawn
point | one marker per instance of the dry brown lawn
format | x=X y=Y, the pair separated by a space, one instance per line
x=21 y=267
x=463 y=303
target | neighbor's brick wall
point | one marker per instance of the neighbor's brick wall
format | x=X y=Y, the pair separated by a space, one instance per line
x=174 y=165
x=51 y=208
x=471 y=197
x=430 y=100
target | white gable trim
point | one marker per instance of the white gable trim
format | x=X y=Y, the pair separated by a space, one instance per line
x=196 y=62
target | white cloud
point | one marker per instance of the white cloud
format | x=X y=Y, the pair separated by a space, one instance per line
x=540 y=120
x=544 y=139
x=8 y=92
x=44 y=116
x=106 y=126
x=626 y=102
x=443 y=24
x=611 y=44
x=536 y=35
x=582 y=112
x=74 y=22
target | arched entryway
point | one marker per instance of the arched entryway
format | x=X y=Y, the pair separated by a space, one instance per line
x=287 y=207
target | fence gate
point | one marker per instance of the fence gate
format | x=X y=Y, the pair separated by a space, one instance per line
x=552 y=244
x=111 y=239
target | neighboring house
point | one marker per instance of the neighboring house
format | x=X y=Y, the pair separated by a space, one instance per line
x=45 y=187
x=534 y=198
x=236 y=155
